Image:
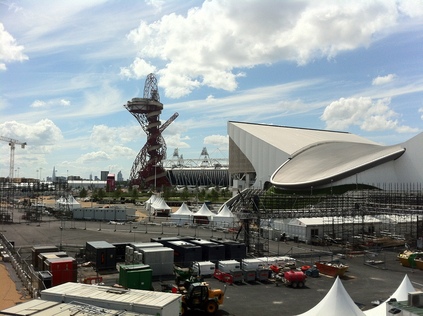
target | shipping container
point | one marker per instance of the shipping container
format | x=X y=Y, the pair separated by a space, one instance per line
x=62 y=270
x=138 y=301
x=211 y=251
x=44 y=280
x=49 y=255
x=144 y=245
x=120 y=250
x=102 y=254
x=136 y=276
x=164 y=240
x=234 y=250
x=185 y=253
x=36 y=250
x=160 y=259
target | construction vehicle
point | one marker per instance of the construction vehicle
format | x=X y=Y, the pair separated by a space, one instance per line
x=199 y=296
x=293 y=278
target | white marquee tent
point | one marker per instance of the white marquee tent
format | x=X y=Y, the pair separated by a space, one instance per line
x=69 y=201
x=401 y=294
x=336 y=302
x=183 y=215
x=203 y=213
x=225 y=218
x=159 y=207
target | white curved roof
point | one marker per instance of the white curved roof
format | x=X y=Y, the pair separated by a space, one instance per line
x=330 y=161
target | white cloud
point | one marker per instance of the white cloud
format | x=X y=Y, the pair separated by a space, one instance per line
x=105 y=137
x=220 y=141
x=208 y=45
x=421 y=111
x=368 y=114
x=43 y=133
x=91 y=157
x=138 y=69
x=50 y=103
x=383 y=80
x=9 y=50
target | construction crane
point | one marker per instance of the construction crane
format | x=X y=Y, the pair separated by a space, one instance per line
x=12 y=142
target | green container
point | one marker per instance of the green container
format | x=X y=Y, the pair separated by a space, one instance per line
x=136 y=276
x=140 y=280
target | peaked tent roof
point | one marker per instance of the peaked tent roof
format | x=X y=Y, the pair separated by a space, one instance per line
x=151 y=199
x=204 y=211
x=401 y=294
x=70 y=200
x=160 y=204
x=336 y=302
x=225 y=212
x=183 y=210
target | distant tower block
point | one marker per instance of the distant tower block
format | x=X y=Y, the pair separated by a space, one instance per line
x=147 y=169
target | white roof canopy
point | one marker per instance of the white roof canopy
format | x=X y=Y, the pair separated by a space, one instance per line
x=336 y=302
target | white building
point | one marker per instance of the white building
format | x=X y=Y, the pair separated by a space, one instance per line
x=300 y=158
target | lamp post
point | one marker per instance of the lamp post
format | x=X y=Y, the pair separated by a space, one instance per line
x=155 y=177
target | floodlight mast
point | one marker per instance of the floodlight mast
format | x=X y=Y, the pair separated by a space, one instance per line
x=147 y=169
x=12 y=142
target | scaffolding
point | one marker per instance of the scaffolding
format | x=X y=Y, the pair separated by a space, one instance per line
x=365 y=217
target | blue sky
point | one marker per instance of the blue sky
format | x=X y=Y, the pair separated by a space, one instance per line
x=68 y=67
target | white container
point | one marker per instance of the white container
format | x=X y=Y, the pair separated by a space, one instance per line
x=228 y=265
x=252 y=264
x=203 y=268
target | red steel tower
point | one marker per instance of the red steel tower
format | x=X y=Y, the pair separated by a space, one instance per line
x=147 y=169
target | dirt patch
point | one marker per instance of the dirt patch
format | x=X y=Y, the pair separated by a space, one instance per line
x=9 y=295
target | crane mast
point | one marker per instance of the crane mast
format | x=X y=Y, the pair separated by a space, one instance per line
x=12 y=143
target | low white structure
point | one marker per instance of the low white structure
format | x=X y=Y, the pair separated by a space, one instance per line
x=304 y=229
x=111 y=213
x=139 y=301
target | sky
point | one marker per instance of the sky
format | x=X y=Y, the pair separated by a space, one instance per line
x=68 y=67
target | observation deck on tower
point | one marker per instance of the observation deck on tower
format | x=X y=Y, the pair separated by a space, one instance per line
x=147 y=169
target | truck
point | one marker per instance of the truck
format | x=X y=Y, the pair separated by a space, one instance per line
x=200 y=296
x=293 y=278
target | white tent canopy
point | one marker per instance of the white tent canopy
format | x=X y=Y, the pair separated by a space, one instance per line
x=183 y=215
x=401 y=294
x=68 y=201
x=202 y=213
x=336 y=302
x=159 y=205
x=225 y=218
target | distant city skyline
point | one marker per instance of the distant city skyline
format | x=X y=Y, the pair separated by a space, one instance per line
x=68 y=67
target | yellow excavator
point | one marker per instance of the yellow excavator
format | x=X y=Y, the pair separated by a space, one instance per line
x=200 y=296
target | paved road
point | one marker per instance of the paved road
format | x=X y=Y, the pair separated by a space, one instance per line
x=363 y=283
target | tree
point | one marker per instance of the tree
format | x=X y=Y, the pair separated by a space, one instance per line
x=83 y=193
x=134 y=193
